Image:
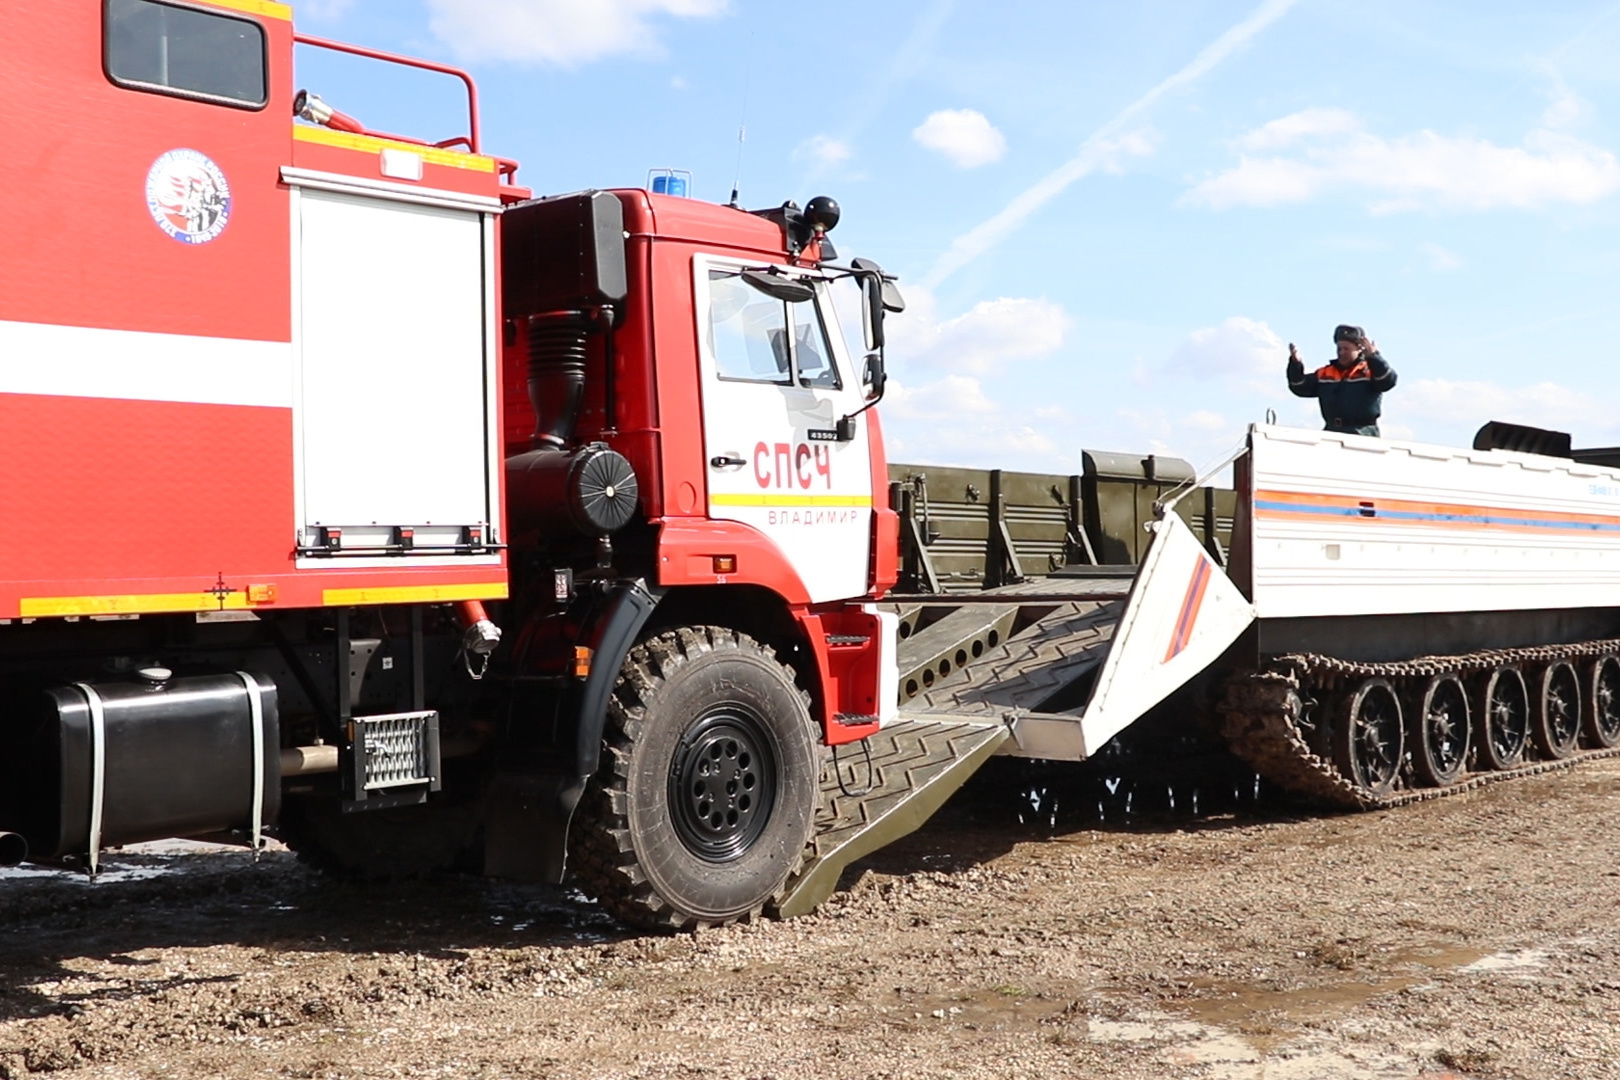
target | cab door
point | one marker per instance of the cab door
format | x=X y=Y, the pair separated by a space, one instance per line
x=776 y=381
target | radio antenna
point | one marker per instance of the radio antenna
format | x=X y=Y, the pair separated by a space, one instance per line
x=742 y=129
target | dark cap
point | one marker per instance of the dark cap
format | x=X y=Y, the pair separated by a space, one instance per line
x=1349 y=333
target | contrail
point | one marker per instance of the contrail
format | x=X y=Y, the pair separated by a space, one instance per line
x=980 y=239
x=914 y=53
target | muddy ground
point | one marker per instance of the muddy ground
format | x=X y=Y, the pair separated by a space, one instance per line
x=1474 y=937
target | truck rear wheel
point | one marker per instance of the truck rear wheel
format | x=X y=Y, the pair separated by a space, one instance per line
x=705 y=798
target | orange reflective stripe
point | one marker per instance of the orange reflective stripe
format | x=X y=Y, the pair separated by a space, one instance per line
x=1331 y=372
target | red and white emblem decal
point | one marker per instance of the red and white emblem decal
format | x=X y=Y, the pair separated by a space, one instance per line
x=188 y=196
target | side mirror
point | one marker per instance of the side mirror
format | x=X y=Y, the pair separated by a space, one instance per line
x=779 y=287
x=880 y=294
x=872 y=311
x=875 y=377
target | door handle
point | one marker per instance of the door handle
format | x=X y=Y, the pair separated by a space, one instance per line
x=726 y=461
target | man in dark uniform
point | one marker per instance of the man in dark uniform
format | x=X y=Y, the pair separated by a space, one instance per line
x=1351 y=388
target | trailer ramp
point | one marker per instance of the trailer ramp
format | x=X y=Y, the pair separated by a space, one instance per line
x=1048 y=668
x=1083 y=655
x=868 y=802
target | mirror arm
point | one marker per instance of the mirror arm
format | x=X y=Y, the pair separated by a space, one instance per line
x=846 y=424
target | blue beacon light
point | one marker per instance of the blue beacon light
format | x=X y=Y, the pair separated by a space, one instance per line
x=676 y=182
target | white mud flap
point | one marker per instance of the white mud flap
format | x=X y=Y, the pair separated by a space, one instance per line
x=1182 y=614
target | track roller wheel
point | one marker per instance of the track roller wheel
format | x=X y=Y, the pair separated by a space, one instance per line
x=1504 y=719
x=1556 y=719
x=1369 y=739
x=1440 y=731
x=705 y=799
x=1603 y=703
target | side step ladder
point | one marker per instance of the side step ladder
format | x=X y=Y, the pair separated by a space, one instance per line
x=916 y=765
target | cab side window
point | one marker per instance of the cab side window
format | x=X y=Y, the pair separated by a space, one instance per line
x=168 y=49
x=747 y=336
x=757 y=339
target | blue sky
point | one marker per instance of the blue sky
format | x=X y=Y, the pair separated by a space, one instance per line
x=1110 y=219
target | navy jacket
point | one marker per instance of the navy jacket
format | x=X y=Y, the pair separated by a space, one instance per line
x=1351 y=399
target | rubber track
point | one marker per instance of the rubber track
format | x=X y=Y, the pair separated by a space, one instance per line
x=1260 y=718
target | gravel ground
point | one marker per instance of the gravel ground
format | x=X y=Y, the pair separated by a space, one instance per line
x=1472 y=937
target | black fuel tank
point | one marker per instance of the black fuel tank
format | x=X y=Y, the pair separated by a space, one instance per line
x=178 y=759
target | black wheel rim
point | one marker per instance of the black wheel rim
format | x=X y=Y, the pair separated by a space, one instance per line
x=1375 y=738
x=1606 y=701
x=1507 y=716
x=1562 y=704
x=722 y=783
x=1445 y=728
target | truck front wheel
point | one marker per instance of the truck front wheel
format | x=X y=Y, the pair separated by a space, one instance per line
x=705 y=798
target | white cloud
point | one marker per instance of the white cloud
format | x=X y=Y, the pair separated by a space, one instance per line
x=565 y=33
x=823 y=151
x=677 y=82
x=1237 y=347
x=962 y=135
x=1440 y=258
x=1565 y=108
x=1425 y=170
x=1307 y=123
x=990 y=335
x=937 y=408
x=951 y=396
x=1471 y=404
x=954 y=422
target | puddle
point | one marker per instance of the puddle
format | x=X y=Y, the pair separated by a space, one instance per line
x=1245 y=1005
x=1519 y=960
x=1223 y=1054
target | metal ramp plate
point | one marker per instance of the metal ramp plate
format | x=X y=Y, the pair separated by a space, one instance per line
x=1031 y=670
x=916 y=766
x=952 y=642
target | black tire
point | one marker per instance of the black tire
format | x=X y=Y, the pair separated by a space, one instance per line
x=1603 y=703
x=705 y=799
x=1503 y=719
x=1556 y=723
x=1441 y=732
x=1369 y=738
x=379 y=845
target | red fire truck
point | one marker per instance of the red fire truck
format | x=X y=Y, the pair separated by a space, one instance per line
x=354 y=493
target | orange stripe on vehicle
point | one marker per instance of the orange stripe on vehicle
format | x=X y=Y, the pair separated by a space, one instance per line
x=1298 y=505
x=1190 y=605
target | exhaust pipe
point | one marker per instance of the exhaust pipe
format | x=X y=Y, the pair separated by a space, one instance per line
x=13 y=849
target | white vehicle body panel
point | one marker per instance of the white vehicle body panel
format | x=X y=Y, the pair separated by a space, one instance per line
x=1182 y=614
x=772 y=464
x=1349 y=525
x=394 y=359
